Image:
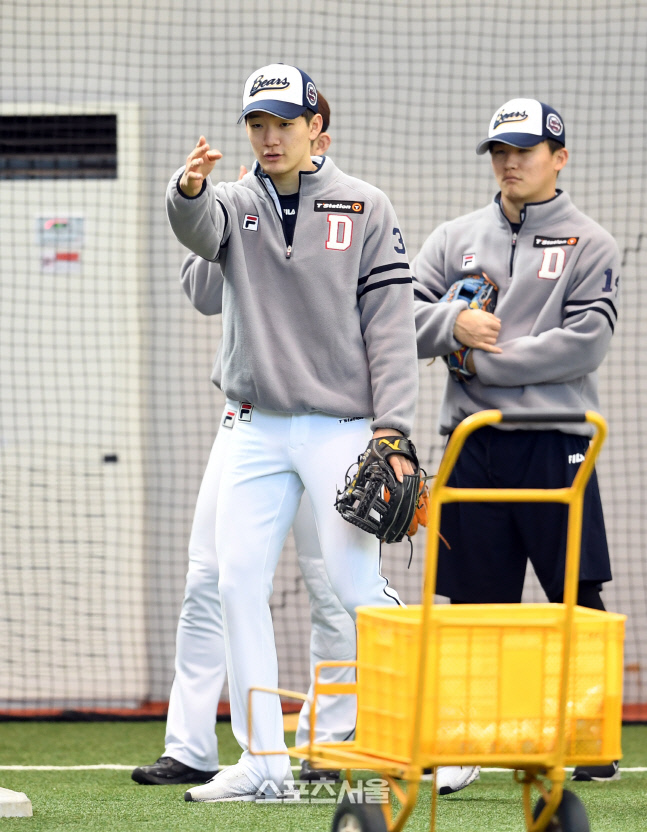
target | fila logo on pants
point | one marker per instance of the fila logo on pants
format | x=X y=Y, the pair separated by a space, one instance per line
x=228 y=418
x=245 y=414
x=340 y=232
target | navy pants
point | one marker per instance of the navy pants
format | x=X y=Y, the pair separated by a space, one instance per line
x=491 y=543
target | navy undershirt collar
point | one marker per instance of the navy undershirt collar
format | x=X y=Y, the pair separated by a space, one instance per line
x=289 y=209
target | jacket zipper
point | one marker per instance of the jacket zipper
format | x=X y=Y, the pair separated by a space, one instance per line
x=512 y=250
x=288 y=250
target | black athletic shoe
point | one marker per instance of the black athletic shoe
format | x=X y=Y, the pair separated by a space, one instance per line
x=315 y=775
x=169 y=772
x=602 y=774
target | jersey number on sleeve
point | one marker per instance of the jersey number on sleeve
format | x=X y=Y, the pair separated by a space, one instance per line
x=399 y=248
x=610 y=283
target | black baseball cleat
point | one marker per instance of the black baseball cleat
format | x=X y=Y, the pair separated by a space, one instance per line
x=316 y=775
x=601 y=774
x=169 y=772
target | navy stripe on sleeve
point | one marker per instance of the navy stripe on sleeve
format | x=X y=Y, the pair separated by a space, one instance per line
x=186 y=196
x=592 y=309
x=590 y=302
x=380 y=269
x=224 y=211
x=422 y=292
x=382 y=283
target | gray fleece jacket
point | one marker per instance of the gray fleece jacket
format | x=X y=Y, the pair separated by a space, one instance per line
x=324 y=325
x=557 y=284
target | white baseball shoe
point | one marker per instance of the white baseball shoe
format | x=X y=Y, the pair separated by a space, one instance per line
x=454 y=778
x=232 y=783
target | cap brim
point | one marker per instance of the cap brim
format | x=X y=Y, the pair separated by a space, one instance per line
x=514 y=139
x=282 y=109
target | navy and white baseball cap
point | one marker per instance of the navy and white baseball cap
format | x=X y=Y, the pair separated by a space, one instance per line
x=279 y=89
x=524 y=122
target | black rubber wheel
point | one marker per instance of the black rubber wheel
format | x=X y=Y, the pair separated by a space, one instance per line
x=569 y=817
x=358 y=817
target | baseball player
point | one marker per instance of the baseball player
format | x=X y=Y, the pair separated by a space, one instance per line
x=318 y=357
x=557 y=274
x=191 y=748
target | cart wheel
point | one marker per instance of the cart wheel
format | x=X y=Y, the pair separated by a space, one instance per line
x=358 y=817
x=569 y=817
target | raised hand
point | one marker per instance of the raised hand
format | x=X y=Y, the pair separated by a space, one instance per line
x=199 y=164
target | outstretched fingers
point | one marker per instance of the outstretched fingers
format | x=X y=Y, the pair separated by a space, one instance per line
x=199 y=164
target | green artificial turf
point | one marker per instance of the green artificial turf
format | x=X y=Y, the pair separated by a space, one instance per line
x=109 y=801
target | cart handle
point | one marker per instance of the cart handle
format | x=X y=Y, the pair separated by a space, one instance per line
x=492 y=417
x=512 y=415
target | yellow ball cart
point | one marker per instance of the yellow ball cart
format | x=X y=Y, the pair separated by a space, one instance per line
x=530 y=687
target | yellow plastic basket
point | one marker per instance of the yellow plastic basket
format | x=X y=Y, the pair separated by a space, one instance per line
x=492 y=684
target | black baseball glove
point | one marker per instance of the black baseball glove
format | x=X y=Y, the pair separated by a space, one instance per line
x=374 y=499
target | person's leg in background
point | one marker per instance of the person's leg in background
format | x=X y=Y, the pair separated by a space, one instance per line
x=333 y=638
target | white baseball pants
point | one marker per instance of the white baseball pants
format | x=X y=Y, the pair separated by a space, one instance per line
x=200 y=664
x=270 y=459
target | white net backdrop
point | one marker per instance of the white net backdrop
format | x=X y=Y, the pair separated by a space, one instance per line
x=412 y=86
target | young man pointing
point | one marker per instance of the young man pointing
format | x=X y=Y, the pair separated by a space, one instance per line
x=319 y=356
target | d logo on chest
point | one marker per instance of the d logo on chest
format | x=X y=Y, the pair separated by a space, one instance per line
x=554 y=257
x=552 y=264
x=340 y=232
